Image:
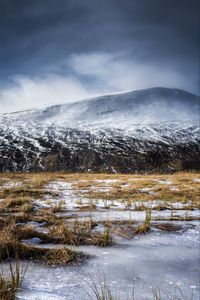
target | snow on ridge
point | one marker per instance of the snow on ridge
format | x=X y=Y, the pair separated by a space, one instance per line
x=156 y=114
x=148 y=105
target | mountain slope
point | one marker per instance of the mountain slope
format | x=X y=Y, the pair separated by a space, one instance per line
x=147 y=130
x=150 y=105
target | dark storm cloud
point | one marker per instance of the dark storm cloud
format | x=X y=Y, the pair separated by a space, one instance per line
x=40 y=36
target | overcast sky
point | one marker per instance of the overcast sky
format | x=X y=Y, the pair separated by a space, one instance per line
x=54 y=51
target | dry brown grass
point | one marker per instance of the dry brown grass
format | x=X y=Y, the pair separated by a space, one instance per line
x=188 y=189
x=29 y=232
x=13 y=202
x=10 y=283
x=10 y=246
x=18 y=206
x=128 y=228
x=33 y=185
x=24 y=192
x=10 y=205
x=80 y=233
x=32 y=180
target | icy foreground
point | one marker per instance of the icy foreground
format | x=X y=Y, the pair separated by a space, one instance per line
x=69 y=211
x=148 y=130
x=161 y=260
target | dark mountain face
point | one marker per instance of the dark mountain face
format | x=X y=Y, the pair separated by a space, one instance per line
x=142 y=131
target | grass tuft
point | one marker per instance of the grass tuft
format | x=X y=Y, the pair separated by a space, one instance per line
x=9 y=285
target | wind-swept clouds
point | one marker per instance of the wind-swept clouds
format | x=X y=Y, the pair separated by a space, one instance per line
x=93 y=74
x=115 y=72
x=27 y=92
x=58 y=51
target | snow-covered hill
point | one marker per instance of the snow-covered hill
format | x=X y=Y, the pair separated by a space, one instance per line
x=146 y=130
x=147 y=106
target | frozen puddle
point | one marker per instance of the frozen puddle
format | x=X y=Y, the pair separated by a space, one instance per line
x=160 y=259
x=156 y=259
x=128 y=215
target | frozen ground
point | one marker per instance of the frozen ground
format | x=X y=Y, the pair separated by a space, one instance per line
x=158 y=259
x=71 y=200
x=161 y=259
